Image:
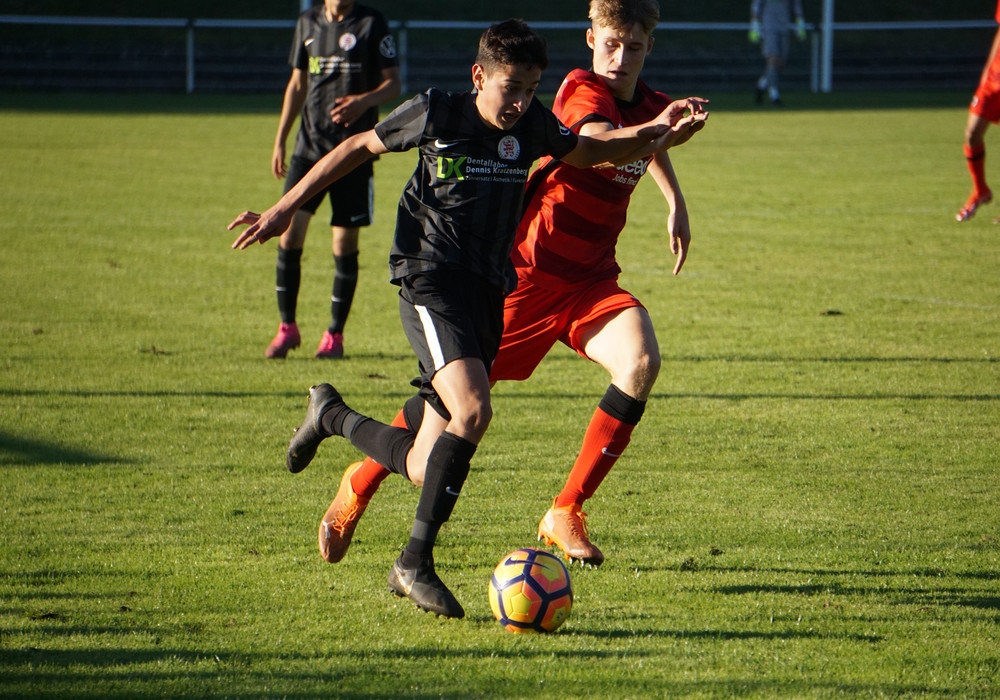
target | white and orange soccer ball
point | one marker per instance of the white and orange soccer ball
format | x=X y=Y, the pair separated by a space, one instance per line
x=530 y=591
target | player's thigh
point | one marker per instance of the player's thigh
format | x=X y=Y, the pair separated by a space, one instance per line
x=464 y=387
x=297 y=170
x=621 y=337
x=345 y=240
x=294 y=237
x=601 y=329
x=775 y=45
x=625 y=344
x=449 y=316
x=984 y=109
x=352 y=198
x=533 y=321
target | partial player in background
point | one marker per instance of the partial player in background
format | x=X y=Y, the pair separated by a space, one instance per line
x=985 y=108
x=567 y=289
x=344 y=65
x=455 y=226
x=769 y=27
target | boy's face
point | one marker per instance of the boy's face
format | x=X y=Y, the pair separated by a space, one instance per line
x=619 y=55
x=505 y=93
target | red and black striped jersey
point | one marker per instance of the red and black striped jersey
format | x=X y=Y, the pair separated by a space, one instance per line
x=572 y=221
x=340 y=58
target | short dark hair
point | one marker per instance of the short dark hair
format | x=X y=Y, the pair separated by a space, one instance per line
x=511 y=43
x=622 y=14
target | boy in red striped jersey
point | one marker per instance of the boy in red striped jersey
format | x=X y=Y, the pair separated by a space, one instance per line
x=567 y=290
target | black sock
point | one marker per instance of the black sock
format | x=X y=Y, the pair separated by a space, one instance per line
x=386 y=444
x=447 y=470
x=413 y=412
x=288 y=277
x=345 y=281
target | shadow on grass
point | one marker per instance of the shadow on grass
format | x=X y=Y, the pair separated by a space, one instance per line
x=19 y=451
x=359 y=674
x=962 y=597
x=915 y=595
x=720 y=634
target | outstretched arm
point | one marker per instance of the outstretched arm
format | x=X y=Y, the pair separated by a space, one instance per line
x=620 y=146
x=678 y=225
x=334 y=165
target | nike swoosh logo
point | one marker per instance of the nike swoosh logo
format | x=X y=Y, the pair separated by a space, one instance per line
x=443 y=144
x=450 y=491
x=359 y=217
x=604 y=451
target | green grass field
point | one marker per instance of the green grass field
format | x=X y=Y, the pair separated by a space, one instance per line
x=810 y=507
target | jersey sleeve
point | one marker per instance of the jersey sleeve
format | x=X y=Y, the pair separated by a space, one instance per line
x=385 y=54
x=580 y=100
x=558 y=138
x=298 y=57
x=404 y=128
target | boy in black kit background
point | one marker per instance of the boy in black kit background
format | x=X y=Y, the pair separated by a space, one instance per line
x=344 y=65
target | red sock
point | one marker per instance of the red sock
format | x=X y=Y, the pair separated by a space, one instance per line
x=370 y=475
x=603 y=443
x=976 y=160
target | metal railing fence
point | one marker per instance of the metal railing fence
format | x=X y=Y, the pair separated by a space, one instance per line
x=821 y=45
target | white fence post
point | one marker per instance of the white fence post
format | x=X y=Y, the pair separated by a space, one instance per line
x=814 y=61
x=403 y=50
x=189 y=75
x=827 y=70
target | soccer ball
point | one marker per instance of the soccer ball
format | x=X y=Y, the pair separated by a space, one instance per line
x=530 y=591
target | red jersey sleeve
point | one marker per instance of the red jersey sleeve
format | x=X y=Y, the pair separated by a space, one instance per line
x=583 y=97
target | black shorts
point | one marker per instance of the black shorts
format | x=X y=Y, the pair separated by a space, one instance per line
x=449 y=315
x=351 y=197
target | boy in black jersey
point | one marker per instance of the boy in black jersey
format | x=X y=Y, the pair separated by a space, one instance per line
x=344 y=65
x=451 y=258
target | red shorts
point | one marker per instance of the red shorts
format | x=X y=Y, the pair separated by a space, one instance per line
x=986 y=101
x=535 y=318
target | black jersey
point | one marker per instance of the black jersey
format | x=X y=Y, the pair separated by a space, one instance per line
x=462 y=206
x=340 y=58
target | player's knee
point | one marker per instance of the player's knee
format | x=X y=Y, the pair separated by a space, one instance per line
x=643 y=370
x=472 y=419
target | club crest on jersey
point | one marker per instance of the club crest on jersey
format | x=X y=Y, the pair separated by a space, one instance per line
x=509 y=148
x=387 y=47
x=348 y=41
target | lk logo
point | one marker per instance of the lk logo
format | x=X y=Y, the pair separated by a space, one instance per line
x=450 y=167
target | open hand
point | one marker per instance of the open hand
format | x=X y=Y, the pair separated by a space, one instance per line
x=261 y=227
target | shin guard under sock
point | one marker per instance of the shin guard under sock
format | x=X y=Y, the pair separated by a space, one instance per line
x=975 y=158
x=345 y=281
x=607 y=436
x=287 y=279
x=447 y=470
